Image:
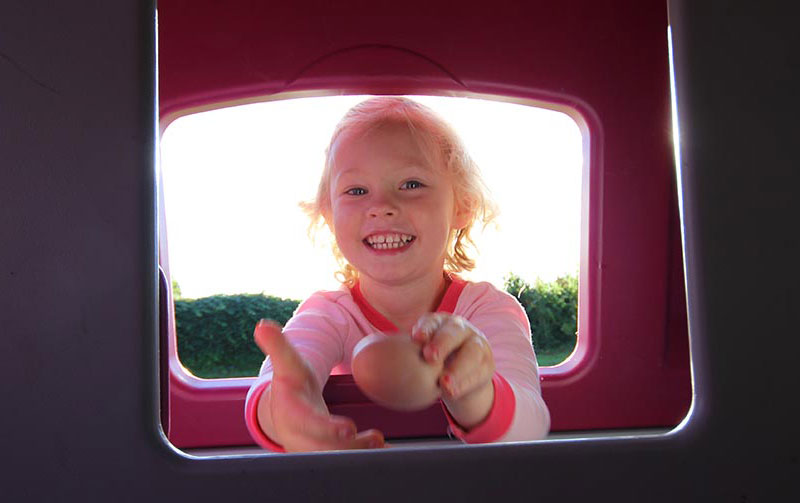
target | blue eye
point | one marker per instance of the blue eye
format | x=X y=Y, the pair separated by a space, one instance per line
x=356 y=191
x=411 y=184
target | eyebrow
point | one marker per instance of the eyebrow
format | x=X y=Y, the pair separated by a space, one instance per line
x=405 y=171
x=409 y=163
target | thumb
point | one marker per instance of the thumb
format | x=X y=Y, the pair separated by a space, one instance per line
x=285 y=359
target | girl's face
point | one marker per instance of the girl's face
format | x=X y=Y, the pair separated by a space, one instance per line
x=391 y=210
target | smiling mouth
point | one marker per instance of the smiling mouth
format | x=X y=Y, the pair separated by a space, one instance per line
x=388 y=241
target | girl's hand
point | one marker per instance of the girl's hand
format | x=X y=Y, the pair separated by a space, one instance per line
x=292 y=411
x=466 y=379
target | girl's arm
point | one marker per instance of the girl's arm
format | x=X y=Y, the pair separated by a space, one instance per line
x=466 y=380
x=290 y=411
x=491 y=384
x=505 y=324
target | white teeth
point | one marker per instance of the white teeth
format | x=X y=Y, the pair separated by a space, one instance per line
x=391 y=238
x=389 y=241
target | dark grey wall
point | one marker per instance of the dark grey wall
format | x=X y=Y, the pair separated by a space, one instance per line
x=78 y=287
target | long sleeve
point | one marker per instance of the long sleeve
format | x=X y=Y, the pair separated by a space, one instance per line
x=318 y=330
x=327 y=326
x=504 y=323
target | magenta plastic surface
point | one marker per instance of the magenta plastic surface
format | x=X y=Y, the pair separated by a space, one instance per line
x=607 y=68
x=78 y=262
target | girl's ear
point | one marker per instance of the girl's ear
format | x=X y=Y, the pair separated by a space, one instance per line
x=463 y=214
x=327 y=217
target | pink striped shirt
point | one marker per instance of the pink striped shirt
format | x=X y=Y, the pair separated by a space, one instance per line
x=327 y=326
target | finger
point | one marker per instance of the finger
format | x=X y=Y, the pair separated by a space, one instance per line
x=426 y=326
x=447 y=338
x=369 y=439
x=305 y=415
x=302 y=427
x=286 y=361
x=324 y=429
x=470 y=368
x=264 y=333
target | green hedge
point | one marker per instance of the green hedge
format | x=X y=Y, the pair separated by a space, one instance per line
x=215 y=334
x=552 y=309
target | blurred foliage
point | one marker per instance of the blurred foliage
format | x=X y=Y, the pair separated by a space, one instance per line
x=215 y=334
x=552 y=309
x=176 y=290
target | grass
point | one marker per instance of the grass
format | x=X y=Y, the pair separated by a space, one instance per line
x=221 y=372
x=553 y=356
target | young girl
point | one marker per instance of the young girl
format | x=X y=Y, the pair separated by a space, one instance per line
x=400 y=195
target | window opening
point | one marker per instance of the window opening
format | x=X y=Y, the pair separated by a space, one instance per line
x=238 y=243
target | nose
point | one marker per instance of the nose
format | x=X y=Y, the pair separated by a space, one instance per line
x=382 y=206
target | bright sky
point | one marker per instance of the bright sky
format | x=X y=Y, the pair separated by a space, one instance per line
x=233 y=179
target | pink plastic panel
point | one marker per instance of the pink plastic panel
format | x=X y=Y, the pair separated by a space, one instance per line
x=605 y=63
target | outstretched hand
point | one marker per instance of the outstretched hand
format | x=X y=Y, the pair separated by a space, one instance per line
x=466 y=379
x=292 y=411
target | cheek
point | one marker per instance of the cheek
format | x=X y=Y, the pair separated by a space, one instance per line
x=445 y=209
x=342 y=218
x=345 y=227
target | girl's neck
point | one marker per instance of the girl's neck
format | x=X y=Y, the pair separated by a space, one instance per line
x=404 y=304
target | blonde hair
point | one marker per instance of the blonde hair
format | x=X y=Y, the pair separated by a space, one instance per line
x=436 y=139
